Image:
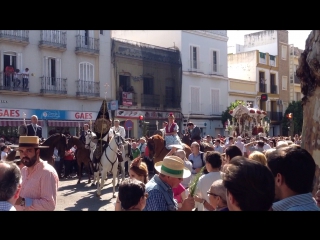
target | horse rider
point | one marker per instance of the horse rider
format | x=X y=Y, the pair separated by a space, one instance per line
x=84 y=133
x=171 y=135
x=33 y=128
x=119 y=130
x=194 y=132
x=163 y=129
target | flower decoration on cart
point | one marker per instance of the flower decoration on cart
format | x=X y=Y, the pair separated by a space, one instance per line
x=247 y=121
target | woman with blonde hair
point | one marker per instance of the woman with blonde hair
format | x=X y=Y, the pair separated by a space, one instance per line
x=258 y=157
x=138 y=170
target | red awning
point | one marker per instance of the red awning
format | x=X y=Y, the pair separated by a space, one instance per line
x=66 y=123
x=15 y=123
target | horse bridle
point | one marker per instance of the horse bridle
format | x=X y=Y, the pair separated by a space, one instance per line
x=154 y=156
x=85 y=145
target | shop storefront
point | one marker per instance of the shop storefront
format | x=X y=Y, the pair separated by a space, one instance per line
x=68 y=121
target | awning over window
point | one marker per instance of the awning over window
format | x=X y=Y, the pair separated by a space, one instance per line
x=16 y=123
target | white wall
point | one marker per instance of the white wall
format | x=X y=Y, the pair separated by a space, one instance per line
x=264 y=41
x=242 y=66
x=205 y=45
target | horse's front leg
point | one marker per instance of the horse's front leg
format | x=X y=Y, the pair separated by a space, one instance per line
x=114 y=181
x=101 y=181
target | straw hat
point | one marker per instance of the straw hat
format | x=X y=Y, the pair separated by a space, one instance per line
x=30 y=141
x=172 y=166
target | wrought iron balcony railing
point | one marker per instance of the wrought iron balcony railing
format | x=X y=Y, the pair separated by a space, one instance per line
x=195 y=66
x=273 y=89
x=52 y=85
x=53 y=39
x=14 y=82
x=88 y=45
x=172 y=102
x=88 y=88
x=275 y=116
x=262 y=87
x=150 y=100
x=21 y=36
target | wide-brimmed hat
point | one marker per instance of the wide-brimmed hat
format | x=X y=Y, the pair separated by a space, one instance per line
x=30 y=141
x=143 y=138
x=172 y=166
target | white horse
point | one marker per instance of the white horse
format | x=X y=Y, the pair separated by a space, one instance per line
x=91 y=142
x=109 y=162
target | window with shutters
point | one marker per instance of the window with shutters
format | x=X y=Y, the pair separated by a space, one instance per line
x=215 y=101
x=215 y=67
x=195 y=99
x=284 y=82
x=194 y=57
x=52 y=70
x=284 y=52
x=86 y=71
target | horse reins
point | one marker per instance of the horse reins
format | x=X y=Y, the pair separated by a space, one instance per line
x=105 y=153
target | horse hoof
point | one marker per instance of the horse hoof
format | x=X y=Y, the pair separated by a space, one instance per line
x=92 y=184
x=78 y=182
x=98 y=195
x=114 y=196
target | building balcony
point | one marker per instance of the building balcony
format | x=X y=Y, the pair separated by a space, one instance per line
x=53 y=86
x=296 y=79
x=88 y=88
x=53 y=39
x=262 y=60
x=275 y=116
x=273 y=89
x=87 y=45
x=263 y=87
x=171 y=102
x=272 y=63
x=16 y=36
x=215 y=69
x=195 y=66
x=13 y=82
x=150 y=100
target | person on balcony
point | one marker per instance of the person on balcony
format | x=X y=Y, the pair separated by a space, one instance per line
x=9 y=71
x=171 y=135
x=16 y=80
x=25 y=78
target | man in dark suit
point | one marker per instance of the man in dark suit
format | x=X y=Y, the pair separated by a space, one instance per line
x=194 y=132
x=34 y=129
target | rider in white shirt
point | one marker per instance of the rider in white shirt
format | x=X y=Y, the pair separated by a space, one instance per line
x=118 y=129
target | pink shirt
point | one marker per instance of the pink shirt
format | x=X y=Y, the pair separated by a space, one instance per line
x=41 y=186
x=177 y=192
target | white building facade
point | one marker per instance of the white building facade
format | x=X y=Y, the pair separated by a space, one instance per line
x=204 y=72
x=68 y=72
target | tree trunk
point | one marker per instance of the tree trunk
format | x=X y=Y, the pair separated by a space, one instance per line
x=309 y=74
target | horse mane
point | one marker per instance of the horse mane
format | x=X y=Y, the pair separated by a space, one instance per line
x=157 y=136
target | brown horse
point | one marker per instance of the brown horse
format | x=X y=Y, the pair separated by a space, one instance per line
x=57 y=140
x=204 y=147
x=158 y=150
x=82 y=155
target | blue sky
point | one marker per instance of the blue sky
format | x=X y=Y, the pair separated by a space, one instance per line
x=296 y=37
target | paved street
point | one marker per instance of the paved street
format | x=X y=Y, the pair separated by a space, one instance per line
x=81 y=197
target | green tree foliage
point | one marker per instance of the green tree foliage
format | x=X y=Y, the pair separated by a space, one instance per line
x=226 y=115
x=297 y=111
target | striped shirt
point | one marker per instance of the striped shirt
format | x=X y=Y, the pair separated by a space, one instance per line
x=6 y=206
x=300 y=202
x=40 y=186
